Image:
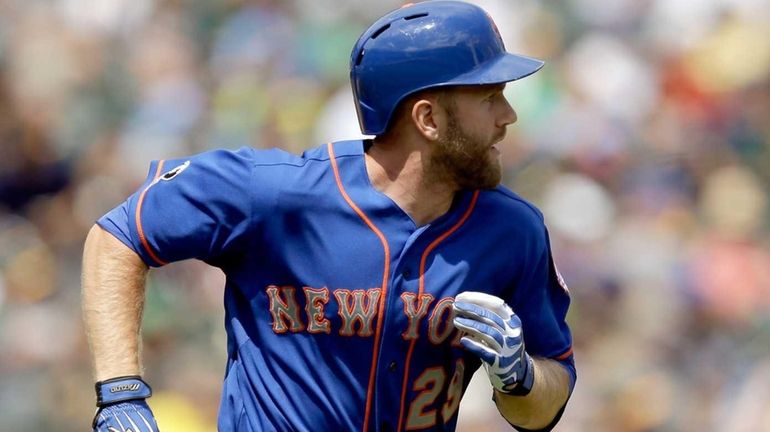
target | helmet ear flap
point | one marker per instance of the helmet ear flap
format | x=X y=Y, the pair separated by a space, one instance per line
x=426 y=45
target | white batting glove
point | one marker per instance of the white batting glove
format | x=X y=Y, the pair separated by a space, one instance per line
x=494 y=333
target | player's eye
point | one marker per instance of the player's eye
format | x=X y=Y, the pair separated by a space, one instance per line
x=492 y=96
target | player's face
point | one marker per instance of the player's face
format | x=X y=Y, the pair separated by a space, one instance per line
x=465 y=152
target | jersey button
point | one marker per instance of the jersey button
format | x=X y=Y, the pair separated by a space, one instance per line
x=392 y=366
x=406 y=273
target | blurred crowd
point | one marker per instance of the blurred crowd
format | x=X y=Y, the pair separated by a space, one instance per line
x=645 y=140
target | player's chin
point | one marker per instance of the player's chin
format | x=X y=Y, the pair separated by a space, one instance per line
x=494 y=180
x=495 y=172
x=491 y=178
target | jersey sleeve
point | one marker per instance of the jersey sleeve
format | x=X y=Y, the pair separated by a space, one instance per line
x=541 y=299
x=197 y=207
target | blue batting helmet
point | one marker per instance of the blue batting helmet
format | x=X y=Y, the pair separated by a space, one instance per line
x=426 y=45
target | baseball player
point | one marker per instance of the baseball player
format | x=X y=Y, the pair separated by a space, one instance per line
x=366 y=280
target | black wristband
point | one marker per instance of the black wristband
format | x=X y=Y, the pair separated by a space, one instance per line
x=121 y=389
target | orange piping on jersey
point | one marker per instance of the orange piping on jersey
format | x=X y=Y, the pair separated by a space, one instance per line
x=138 y=216
x=565 y=355
x=385 y=277
x=421 y=289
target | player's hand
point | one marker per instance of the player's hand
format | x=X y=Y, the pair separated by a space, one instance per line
x=122 y=406
x=494 y=333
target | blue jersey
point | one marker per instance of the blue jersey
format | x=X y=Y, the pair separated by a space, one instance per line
x=338 y=307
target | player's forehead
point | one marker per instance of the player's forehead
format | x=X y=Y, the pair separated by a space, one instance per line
x=471 y=92
x=478 y=88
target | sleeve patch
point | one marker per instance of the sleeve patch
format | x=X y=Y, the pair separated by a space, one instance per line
x=169 y=175
x=559 y=277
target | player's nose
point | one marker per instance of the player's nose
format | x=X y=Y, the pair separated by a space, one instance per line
x=507 y=116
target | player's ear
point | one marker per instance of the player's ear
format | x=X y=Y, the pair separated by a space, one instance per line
x=426 y=117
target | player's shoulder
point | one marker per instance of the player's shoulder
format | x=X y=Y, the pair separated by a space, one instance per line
x=280 y=157
x=225 y=160
x=276 y=157
x=517 y=209
x=251 y=156
x=214 y=162
x=224 y=156
x=308 y=157
x=510 y=214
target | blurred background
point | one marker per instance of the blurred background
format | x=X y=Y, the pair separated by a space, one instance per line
x=645 y=141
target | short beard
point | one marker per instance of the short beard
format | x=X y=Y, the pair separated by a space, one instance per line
x=462 y=160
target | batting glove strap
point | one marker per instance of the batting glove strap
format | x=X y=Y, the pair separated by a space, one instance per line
x=121 y=389
x=523 y=387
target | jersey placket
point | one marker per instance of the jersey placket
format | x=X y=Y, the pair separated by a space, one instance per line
x=393 y=343
x=415 y=256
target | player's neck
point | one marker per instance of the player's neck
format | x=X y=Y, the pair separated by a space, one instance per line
x=401 y=176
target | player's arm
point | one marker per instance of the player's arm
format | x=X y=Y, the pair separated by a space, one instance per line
x=113 y=283
x=549 y=394
x=530 y=392
x=197 y=207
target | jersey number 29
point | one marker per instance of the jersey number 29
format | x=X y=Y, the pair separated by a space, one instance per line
x=429 y=384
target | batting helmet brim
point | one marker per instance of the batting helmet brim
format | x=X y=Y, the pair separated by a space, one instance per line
x=507 y=67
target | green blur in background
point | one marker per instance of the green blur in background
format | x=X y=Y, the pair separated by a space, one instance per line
x=644 y=140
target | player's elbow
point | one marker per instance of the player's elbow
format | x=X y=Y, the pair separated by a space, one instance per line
x=106 y=258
